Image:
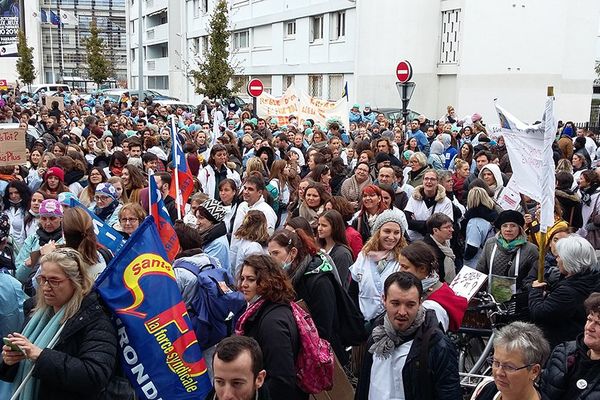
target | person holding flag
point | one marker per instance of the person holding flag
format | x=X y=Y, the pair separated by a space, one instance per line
x=159 y=213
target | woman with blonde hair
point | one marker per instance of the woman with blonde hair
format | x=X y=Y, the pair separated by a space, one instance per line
x=255 y=164
x=78 y=231
x=68 y=332
x=252 y=238
x=477 y=225
x=379 y=258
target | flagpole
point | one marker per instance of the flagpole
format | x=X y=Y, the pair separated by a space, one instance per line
x=149 y=195
x=542 y=243
x=61 y=45
x=51 y=47
x=174 y=157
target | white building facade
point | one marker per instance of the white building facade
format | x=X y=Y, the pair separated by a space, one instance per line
x=463 y=52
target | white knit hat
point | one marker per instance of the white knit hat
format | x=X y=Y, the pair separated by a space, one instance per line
x=387 y=216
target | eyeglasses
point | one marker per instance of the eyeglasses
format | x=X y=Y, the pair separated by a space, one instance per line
x=509 y=369
x=430 y=179
x=101 y=198
x=53 y=283
x=128 y=220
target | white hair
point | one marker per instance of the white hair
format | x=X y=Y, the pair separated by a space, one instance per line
x=577 y=254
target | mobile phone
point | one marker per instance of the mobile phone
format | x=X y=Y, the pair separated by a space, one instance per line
x=12 y=346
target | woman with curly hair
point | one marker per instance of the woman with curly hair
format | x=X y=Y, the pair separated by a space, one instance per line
x=270 y=321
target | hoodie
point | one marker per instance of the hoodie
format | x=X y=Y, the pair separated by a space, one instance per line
x=495 y=170
x=436 y=158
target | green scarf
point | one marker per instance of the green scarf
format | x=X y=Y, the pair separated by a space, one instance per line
x=43 y=330
x=513 y=244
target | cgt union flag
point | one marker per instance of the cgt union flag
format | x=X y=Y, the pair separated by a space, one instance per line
x=159 y=351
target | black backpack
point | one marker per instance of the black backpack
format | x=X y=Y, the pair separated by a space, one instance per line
x=351 y=321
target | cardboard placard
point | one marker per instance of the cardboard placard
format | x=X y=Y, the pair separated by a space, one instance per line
x=12 y=146
x=48 y=100
x=468 y=282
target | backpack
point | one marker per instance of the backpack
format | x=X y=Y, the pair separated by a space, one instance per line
x=315 y=361
x=273 y=193
x=217 y=304
x=352 y=329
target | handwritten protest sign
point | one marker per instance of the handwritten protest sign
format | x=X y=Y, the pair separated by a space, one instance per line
x=467 y=283
x=48 y=100
x=12 y=146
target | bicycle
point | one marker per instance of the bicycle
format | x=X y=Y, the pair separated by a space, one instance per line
x=476 y=337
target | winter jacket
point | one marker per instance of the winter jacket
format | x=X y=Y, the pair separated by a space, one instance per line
x=343 y=259
x=419 y=209
x=441 y=380
x=565 y=144
x=566 y=301
x=82 y=362
x=569 y=364
x=527 y=259
x=454 y=306
x=571 y=205
x=275 y=330
x=263 y=394
x=316 y=288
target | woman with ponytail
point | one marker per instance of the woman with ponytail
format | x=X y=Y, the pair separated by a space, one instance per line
x=313 y=275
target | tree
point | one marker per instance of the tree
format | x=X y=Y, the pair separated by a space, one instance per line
x=597 y=68
x=214 y=74
x=99 y=66
x=25 y=67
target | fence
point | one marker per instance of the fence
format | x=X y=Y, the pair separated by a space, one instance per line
x=594 y=123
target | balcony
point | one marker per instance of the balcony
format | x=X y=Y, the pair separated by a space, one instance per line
x=157 y=66
x=157 y=34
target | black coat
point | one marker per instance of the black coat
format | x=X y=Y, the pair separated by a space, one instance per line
x=317 y=291
x=568 y=364
x=274 y=328
x=561 y=314
x=442 y=365
x=82 y=361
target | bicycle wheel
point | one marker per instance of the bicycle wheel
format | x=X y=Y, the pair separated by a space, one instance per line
x=470 y=353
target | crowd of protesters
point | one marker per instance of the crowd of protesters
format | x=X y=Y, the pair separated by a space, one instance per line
x=388 y=211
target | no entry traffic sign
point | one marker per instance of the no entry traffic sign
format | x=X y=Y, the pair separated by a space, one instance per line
x=255 y=88
x=404 y=71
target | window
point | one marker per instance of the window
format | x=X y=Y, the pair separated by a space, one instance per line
x=204 y=6
x=194 y=45
x=196 y=7
x=288 y=80
x=241 y=40
x=338 y=25
x=450 y=37
x=132 y=26
x=316 y=28
x=158 y=82
x=267 y=82
x=204 y=47
x=336 y=87
x=315 y=85
x=290 y=29
x=132 y=55
x=164 y=51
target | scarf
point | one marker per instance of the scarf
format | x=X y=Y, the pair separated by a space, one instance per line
x=310 y=214
x=354 y=189
x=106 y=212
x=430 y=281
x=449 y=267
x=219 y=229
x=43 y=330
x=386 y=338
x=586 y=194
x=46 y=237
x=513 y=244
x=252 y=309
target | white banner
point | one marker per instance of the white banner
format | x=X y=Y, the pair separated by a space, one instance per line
x=278 y=107
x=530 y=152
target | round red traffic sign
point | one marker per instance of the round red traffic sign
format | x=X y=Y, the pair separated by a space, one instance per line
x=404 y=71
x=255 y=88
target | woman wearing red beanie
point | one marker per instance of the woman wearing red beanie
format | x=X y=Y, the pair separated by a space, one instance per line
x=54 y=183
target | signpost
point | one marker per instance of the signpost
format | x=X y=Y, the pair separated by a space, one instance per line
x=405 y=88
x=255 y=89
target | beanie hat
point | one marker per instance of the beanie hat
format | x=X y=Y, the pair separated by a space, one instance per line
x=4 y=226
x=476 y=117
x=407 y=154
x=64 y=198
x=57 y=172
x=214 y=209
x=274 y=121
x=509 y=216
x=355 y=105
x=107 y=189
x=388 y=216
x=51 y=208
x=382 y=157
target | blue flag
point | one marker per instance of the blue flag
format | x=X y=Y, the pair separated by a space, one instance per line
x=54 y=18
x=159 y=350
x=106 y=235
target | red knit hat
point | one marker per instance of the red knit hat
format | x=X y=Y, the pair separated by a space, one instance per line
x=57 y=172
